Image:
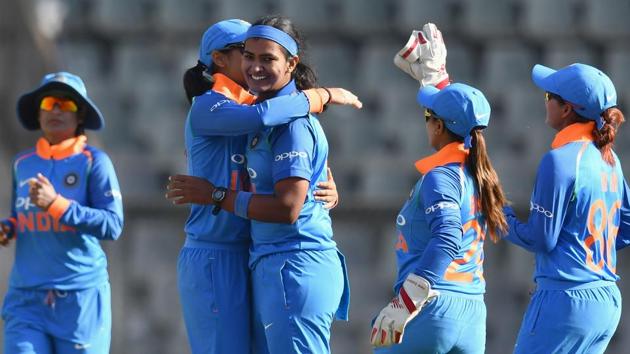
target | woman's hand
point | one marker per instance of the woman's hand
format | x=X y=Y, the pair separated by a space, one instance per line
x=327 y=192
x=182 y=189
x=319 y=98
x=41 y=192
x=342 y=96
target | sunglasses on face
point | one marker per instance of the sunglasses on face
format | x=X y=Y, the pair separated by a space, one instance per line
x=427 y=115
x=552 y=96
x=67 y=105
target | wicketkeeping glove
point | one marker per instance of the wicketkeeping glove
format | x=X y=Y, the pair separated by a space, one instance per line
x=389 y=326
x=424 y=57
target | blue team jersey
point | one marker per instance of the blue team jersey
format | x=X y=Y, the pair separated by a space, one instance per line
x=441 y=230
x=577 y=209
x=297 y=149
x=215 y=136
x=59 y=248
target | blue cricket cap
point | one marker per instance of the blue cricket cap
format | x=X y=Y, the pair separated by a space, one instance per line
x=219 y=36
x=590 y=91
x=64 y=82
x=461 y=107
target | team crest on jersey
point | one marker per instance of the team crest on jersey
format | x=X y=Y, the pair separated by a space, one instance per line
x=254 y=142
x=70 y=179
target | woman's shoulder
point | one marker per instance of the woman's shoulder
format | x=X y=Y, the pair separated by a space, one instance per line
x=304 y=123
x=211 y=99
x=449 y=171
x=450 y=175
x=24 y=153
x=96 y=154
x=561 y=158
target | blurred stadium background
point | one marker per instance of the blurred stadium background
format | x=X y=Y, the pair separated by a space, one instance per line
x=132 y=53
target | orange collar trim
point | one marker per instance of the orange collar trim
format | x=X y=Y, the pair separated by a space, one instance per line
x=230 y=89
x=574 y=132
x=62 y=150
x=453 y=152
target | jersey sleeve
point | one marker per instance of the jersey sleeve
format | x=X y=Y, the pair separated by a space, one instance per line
x=293 y=148
x=552 y=193
x=103 y=216
x=224 y=117
x=441 y=204
x=623 y=234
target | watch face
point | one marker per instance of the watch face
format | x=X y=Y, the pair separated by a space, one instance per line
x=218 y=194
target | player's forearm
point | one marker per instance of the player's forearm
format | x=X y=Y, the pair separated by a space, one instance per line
x=104 y=224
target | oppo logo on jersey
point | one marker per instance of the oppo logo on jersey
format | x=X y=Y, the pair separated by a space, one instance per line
x=290 y=155
x=538 y=208
x=218 y=104
x=40 y=221
x=24 y=202
x=114 y=194
x=441 y=205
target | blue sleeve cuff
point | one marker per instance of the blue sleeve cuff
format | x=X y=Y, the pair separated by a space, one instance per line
x=241 y=204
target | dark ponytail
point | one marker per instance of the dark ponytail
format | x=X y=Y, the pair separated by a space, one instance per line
x=304 y=77
x=195 y=83
x=303 y=74
x=605 y=137
x=491 y=196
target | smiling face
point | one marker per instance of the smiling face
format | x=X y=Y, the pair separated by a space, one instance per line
x=266 y=66
x=58 y=123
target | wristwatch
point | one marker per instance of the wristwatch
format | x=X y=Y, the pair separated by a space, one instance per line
x=218 y=195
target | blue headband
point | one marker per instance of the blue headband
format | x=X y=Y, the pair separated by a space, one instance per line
x=274 y=34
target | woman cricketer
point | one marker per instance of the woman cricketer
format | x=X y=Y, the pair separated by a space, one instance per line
x=66 y=199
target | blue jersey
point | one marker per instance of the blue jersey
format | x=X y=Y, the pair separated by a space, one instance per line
x=59 y=248
x=216 y=136
x=297 y=149
x=578 y=207
x=441 y=230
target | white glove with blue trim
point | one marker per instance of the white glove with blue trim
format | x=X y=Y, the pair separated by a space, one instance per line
x=424 y=57
x=389 y=326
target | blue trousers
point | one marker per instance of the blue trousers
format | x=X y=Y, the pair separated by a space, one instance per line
x=57 y=322
x=214 y=290
x=450 y=323
x=296 y=297
x=570 y=321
